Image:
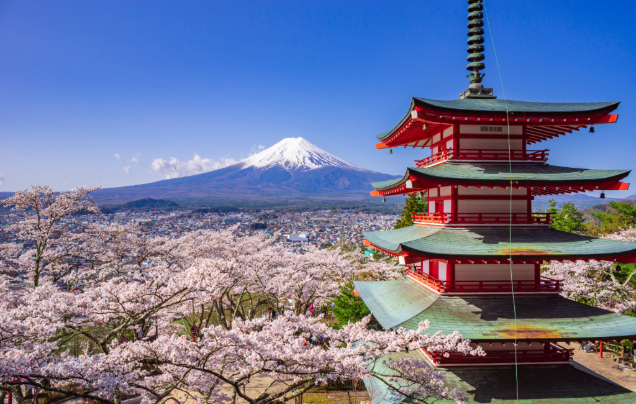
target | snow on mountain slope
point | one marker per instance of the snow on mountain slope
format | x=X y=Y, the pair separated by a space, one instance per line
x=294 y=153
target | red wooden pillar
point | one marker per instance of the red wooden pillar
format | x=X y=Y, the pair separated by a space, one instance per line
x=524 y=135
x=537 y=272
x=450 y=268
x=454 y=193
x=456 y=136
x=434 y=269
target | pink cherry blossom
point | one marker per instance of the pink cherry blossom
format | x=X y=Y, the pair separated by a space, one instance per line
x=162 y=316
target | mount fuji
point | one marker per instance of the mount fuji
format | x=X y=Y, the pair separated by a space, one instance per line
x=292 y=168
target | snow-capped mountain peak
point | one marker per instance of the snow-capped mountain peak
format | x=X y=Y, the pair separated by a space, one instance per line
x=293 y=153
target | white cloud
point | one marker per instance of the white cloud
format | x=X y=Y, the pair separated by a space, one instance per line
x=64 y=184
x=119 y=157
x=135 y=158
x=174 y=168
x=256 y=150
x=1 y=180
x=127 y=170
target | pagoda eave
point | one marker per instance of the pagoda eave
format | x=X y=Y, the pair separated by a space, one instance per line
x=537 y=189
x=404 y=303
x=537 y=384
x=408 y=256
x=544 y=179
x=422 y=122
x=496 y=245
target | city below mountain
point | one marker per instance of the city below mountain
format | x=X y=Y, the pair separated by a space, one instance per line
x=292 y=168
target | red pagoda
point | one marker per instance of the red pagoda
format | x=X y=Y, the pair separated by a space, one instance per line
x=474 y=258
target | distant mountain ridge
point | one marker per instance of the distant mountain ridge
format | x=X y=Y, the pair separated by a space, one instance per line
x=149 y=203
x=581 y=201
x=292 y=168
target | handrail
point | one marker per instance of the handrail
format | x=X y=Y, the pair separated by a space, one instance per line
x=478 y=154
x=553 y=354
x=504 y=286
x=482 y=218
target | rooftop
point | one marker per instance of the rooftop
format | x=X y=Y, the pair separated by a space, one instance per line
x=404 y=303
x=516 y=107
x=559 y=384
x=502 y=174
x=539 y=243
x=543 y=120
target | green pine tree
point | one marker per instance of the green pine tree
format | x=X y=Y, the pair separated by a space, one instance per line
x=414 y=203
x=348 y=306
x=568 y=218
x=621 y=216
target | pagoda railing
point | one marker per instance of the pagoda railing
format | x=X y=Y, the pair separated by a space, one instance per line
x=483 y=218
x=553 y=353
x=483 y=287
x=537 y=156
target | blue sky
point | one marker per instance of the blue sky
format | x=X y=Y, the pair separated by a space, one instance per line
x=81 y=81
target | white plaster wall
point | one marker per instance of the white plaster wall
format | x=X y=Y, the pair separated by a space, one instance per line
x=426 y=266
x=445 y=191
x=493 y=272
x=442 y=269
x=447 y=132
x=490 y=144
x=489 y=206
x=447 y=206
x=431 y=207
x=490 y=191
x=432 y=192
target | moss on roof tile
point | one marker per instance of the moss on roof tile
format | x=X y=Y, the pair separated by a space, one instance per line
x=539 y=318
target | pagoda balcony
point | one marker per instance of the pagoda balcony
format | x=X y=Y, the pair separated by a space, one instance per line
x=551 y=354
x=446 y=288
x=482 y=219
x=484 y=156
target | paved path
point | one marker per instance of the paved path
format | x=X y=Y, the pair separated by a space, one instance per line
x=604 y=367
x=254 y=388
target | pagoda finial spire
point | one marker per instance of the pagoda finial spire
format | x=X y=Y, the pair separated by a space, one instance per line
x=475 y=41
x=475 y=49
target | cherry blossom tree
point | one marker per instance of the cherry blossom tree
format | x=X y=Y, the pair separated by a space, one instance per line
x=43 y=214
x=603 y=284
x=168 y=318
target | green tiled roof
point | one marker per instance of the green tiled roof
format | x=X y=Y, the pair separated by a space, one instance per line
x=491 y=243
x=484 y=319
x=537 y=385
x=397 y=309
x=500 y=105
x=523 y=174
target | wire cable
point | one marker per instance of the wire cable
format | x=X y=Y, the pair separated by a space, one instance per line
x=512 y=287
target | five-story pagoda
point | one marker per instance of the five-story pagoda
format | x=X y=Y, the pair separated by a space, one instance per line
x=474 y=258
